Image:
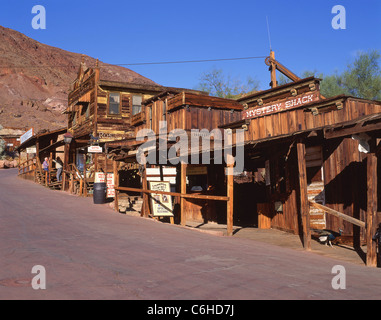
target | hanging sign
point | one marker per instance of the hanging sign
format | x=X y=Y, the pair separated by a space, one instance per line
x=31 y=150
x=161 y=204
x=94 y=149
x=281 y=105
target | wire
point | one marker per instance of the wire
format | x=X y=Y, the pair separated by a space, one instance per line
x=142 y=63
x=189 y=61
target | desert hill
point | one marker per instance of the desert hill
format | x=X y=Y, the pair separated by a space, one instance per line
x=35 y=79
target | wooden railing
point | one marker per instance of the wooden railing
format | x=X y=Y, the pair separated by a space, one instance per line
x=138 y=118
x=73 y=175
x=27 y=166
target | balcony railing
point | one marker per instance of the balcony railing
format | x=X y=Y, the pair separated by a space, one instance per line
x=138 y=118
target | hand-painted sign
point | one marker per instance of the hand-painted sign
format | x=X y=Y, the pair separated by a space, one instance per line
x=94 y=149
x=281 y=105
x=161 y=204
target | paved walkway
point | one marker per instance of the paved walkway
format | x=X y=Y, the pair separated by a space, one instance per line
x=285 y=240
x=92 y=252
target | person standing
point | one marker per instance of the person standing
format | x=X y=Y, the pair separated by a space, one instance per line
x=45 y=167
x=59 y=165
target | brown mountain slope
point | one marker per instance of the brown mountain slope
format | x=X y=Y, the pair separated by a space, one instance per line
x=32 y=94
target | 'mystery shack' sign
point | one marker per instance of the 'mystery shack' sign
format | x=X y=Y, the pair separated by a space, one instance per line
x=281 y=105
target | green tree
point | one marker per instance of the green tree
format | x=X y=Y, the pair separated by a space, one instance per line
x=361 y=79
x=218 y=84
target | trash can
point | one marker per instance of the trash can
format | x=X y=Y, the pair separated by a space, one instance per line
x=99 y=193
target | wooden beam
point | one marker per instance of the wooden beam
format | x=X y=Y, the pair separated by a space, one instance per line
x=183 y=190
x=145 y=207
x=273 y=70
x=358 y=128
x=338 y=214
x=304 y=207
x=371 y=212
x=116 y=184
x=176 y=194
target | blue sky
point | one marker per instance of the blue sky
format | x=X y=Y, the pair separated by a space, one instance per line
x=126 y=31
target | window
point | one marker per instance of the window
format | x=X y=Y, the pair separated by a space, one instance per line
x=114 y=103
x=136 y=104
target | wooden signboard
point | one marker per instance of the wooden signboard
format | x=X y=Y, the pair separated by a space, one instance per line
x=161 y=204
x=27 y=135
x=281 y=105
x=94 y=149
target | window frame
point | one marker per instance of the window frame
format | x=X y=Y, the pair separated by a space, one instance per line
x=119 y=107
x=132 y=104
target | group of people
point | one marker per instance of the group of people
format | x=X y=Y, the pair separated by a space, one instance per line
x=59 y=167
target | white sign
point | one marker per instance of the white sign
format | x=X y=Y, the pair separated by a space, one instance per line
x=110 y=185
x=100 y=178
x=94 y=149
x=26 y=136
x=161 y=204
x=31 y=150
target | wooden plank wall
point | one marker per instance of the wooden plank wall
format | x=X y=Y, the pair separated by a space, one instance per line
x=114 y=125
x=287 y=219
x=188 y=118
x=345 y=181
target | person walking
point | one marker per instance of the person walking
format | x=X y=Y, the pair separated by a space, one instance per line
x=59 y=165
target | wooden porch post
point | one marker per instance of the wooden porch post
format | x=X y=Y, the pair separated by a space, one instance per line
x=145 y=207
x=230 y=194
x=183 y=190
x=65 y=165
x=371 y=212
x=116 y=183
x=304 y=207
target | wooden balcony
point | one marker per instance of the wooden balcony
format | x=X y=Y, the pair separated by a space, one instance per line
x=138 y=118
x=198 y=100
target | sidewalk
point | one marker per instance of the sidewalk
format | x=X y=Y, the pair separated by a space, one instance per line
x=284 y=239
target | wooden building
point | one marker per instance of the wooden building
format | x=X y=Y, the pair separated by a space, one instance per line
x=11 y=137
x=310 y=161
x=196 y=115
x=32 y=152
x=100 y=109
x=313 y=161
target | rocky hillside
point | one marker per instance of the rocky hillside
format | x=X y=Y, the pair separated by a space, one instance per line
x=35 y=78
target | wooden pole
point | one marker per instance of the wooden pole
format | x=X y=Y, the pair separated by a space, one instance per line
x=229 y=204
x=304 y=207
x=183 y=190
x=273 y=70
x=116 y=184
x=371 y=212
x=145 y=207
